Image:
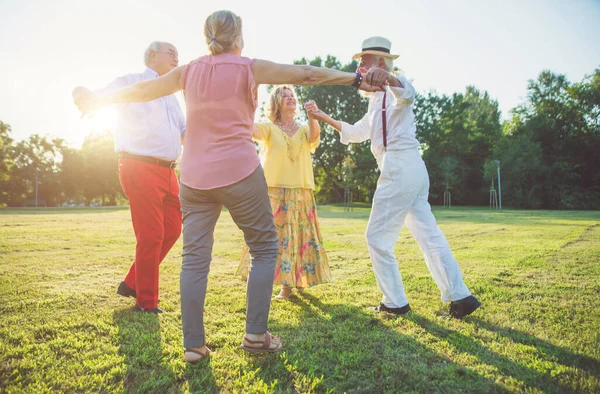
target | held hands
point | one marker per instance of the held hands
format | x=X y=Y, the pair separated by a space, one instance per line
x=85 y=100
x=380 y=77
x=313 y=111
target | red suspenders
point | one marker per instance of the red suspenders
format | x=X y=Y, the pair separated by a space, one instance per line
x=383 y=120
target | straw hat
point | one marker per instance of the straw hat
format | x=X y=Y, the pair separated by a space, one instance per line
x=379 y=46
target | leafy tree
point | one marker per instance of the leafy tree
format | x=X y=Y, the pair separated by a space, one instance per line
x=343 y=103
x=458 y=134
x=5 y=162
x=101 y=175
x=563 y=118
x=35 y=164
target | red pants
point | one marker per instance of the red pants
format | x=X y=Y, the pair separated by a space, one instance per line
x=153 y=193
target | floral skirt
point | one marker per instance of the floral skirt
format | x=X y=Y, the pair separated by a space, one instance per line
x=301 y=261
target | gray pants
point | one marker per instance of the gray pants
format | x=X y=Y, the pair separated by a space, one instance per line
x=249 y=206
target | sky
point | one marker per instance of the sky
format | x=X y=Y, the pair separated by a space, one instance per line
x=47 y=47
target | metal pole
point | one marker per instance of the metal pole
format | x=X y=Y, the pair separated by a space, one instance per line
x=36 y=186
x=499 y=188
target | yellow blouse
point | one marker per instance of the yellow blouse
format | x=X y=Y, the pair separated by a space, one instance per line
x=287 y=160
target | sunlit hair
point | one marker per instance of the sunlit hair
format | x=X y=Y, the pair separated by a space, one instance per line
x=276 y=100
x=389 y=63
x=223 y=32
x=153 y=47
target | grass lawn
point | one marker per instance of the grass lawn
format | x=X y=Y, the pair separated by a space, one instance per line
x=537 y=273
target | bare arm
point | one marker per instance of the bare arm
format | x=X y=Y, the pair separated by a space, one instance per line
x=146 y=90
x=315 y=114
x=256 y=135
x=314 y=129
x=266 y=72
x=331 y=122
x=138 y=92
x=357 y=132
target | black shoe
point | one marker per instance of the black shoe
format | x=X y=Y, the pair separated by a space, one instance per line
x=464 y=307
x=125 y=290
x=149 y=310
x=397 y=311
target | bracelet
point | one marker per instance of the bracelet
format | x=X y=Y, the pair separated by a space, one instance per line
x=357 y=80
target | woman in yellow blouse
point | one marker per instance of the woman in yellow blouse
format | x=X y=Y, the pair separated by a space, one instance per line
x=302 y=261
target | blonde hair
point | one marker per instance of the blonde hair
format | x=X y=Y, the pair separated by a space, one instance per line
x=223 y=32
x=276 y=100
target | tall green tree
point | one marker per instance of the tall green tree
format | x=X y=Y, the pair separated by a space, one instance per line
x=101 y=173
x=522 y=172
x=35 y=167
x=72 y=174
x=458 y=134
x=5 y=161
x=343 y=103
x=563 y=118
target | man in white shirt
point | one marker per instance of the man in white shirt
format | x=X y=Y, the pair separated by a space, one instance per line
x=148 y=141
x=402 y=188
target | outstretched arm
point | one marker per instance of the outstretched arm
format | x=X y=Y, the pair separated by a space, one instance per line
x=150 y=90
x=266 y=72
x=315 y=113
x=314 y=129
x=358 y=132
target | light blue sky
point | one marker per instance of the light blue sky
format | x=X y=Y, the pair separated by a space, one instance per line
x=49 y=47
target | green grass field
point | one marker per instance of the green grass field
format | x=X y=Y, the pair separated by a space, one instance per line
x=537 y=273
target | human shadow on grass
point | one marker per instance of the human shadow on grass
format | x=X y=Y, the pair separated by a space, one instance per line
x=147 y=367
x=346 y=348
x=472 y=345
x=563 y=355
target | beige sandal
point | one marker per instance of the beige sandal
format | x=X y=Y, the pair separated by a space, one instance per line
x=284 y=294
x=195 y=355
x=271 y=344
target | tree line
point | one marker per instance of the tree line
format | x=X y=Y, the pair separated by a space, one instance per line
x=548 y=150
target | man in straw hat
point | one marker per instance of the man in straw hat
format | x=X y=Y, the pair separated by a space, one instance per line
x=402 y=188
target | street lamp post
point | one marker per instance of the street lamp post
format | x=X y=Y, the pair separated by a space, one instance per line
x=36 y=187
x=499 y=188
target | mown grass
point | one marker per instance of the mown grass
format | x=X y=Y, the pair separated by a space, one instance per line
x=63 y=328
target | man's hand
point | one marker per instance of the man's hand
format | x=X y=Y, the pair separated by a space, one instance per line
x=85 y=100
x=369 y=87
x=378 y=77
x=313 y=111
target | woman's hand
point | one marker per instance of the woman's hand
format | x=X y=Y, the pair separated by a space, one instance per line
x=313 y=111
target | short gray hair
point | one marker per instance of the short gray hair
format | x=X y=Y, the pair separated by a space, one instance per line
x=154 y=46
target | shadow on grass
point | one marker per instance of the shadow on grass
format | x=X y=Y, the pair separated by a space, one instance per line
x=562 y=355
x=148 y=368
x=345 y=348
x=462 y=343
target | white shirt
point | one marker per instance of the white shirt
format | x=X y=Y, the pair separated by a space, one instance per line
x=400 y=121
x=153 y=128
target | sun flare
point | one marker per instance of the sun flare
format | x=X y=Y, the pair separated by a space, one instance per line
x=104 y=119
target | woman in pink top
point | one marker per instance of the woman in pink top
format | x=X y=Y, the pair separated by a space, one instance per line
x=220 y=167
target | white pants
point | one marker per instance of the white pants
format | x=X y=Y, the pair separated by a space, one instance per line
x=401 y=197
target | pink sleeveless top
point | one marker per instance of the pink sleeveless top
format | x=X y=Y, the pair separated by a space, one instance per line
x=220 y=94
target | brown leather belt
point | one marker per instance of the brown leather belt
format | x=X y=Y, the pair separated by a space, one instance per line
x=148 y=159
